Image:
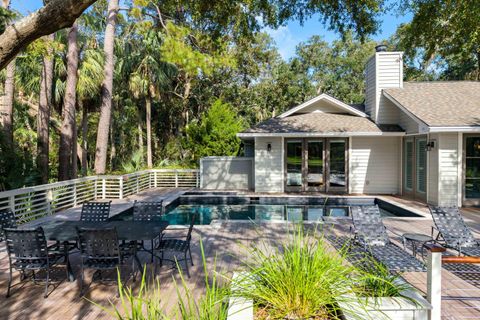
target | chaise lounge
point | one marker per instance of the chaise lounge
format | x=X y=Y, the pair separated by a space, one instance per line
x=453 y=232
x=371 y=233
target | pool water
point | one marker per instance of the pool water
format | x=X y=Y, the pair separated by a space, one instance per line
x=180 y=215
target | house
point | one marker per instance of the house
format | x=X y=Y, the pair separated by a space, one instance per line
x=416 y=139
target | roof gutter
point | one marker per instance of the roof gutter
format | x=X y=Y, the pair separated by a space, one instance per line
x=244 y=135
x=455 y=129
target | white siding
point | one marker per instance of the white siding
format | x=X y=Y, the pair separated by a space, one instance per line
x=432 y=196
x=227 y=173
x=388 y=73
x=268 y=165
x=406 y=122
x=448 y=169
x=375 y=165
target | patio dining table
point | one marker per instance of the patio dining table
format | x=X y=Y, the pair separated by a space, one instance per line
x=65 y=231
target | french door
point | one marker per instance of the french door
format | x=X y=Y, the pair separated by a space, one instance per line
x=471 y=169
x=316 y=165
x=415 y=167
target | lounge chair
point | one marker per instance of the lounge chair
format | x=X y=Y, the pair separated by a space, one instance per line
x=370 y=232
x=451 y=228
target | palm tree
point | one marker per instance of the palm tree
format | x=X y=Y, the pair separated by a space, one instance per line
x=43 y=118
x=107 y=87
x=67 y=142
x=149 y=75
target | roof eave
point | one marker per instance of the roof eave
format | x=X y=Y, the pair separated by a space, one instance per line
x=244 y=135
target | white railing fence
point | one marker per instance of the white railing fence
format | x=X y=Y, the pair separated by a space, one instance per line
x=34 y=202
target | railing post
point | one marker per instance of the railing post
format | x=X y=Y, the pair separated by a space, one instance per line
x=49 y=198
x=104 y=188
x=95 y=194
x=176 y=178
x=138 y=184
x=11 y=203
x=434 y=280
x=155 y=179
x=197 y=179
x=74 y=190
x=120 y=187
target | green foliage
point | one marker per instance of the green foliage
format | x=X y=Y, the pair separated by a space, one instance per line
x=301 y=279
x=215 y=134
x=445 y=34
x=136 y=163
x=147 y=304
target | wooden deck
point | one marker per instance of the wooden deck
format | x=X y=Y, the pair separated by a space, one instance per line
x=225 y=241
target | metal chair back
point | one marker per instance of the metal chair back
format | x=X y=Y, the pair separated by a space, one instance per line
x=147 y=210
x=27 y=248
x=452 y=227
x=190 y=228
x=7 y=220
x=95 y=211
x=368 y=224
x=99 y=244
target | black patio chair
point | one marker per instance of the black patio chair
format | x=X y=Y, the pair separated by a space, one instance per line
x=7 y=220
x=95 y=211
x=148 y=211
x=100 y=250
x=28 y=252
x=178 y=246
x=453 y=232
x=371 y=234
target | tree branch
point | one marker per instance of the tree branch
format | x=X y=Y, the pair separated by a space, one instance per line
x=55 y=15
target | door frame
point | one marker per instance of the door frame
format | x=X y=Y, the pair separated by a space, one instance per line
x=414 y=193
x=465 y=201
x=326 y=166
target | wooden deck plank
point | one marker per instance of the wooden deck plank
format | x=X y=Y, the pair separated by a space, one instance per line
x=228 y=242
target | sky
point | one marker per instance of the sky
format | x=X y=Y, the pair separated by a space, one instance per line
x=286 y=37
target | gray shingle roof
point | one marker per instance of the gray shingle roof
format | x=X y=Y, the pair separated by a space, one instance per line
x=441 y=103
x=319 y=122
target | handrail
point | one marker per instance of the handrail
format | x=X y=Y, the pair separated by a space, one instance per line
x=33 y=202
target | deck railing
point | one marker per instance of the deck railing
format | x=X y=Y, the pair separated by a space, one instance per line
x=34 y=202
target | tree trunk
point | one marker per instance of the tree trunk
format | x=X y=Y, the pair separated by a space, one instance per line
x=140 y=132
x=84 y=141
x=107 y=86
x=65 y=159
x=113 y=147
x=53 y=16
x=43 y=118
x=75 y=150
x=6 y=107
x=148 y=111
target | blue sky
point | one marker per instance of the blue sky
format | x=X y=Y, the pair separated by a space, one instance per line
x=286 y=37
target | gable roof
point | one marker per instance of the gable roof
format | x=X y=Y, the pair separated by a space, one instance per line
x=343 y=107
x=320 y=124
x=440 y=103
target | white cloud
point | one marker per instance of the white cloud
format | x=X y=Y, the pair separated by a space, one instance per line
x=284 y=40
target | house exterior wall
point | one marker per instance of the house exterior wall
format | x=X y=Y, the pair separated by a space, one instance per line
x=449 y=178
x=375 y=165
x=269 y=176
x=383 y=70
x=226 y=173
x=433 y=165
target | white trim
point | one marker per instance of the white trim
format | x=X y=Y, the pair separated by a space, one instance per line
x=401 y=107
x=456 y=129
x=318 y=134
x=325 y=96
x=460 y=170
x=283 y=164
x=350 y=171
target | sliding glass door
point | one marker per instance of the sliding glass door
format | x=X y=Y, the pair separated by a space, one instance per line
x=316 y=165
x=415 y=167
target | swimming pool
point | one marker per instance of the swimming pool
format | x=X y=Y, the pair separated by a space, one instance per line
x=231 y=207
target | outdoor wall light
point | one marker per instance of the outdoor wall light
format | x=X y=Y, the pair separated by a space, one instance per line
x=269 y=147
x=430 y=145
